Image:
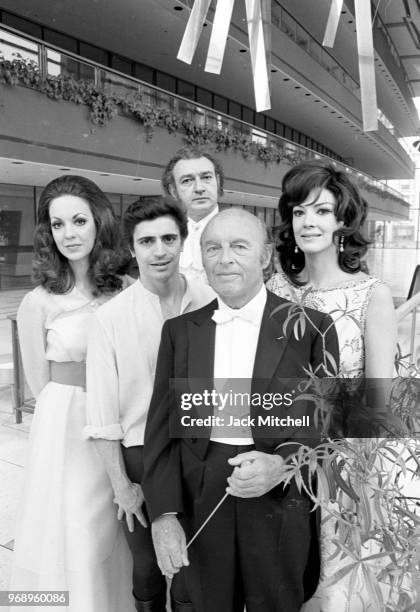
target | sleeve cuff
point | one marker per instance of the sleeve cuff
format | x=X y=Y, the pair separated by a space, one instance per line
x=107 y=432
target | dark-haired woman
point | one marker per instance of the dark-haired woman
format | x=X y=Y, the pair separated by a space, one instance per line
x=320 y=250
x=68 y=537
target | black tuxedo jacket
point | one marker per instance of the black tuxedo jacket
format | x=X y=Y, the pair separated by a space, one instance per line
x=187 y=352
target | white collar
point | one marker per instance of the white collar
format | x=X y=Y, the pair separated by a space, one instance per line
x=203 y=222
x=252 y=311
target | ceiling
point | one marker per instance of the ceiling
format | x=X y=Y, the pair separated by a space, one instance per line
x=17 y=172
x=150 y=31
x=402 y=20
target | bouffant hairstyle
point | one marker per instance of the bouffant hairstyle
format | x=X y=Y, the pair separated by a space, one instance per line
x=350 y=208
x=149 y=208
x=50 y=268
x=190 y=153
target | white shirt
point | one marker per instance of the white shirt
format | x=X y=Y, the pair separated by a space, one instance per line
x=234 y=355
x=190 y=262
x=121 y=360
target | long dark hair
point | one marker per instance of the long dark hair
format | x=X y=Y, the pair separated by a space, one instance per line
x=50 y=268
x=351 y=208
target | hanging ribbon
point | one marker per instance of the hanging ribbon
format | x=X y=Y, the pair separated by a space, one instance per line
x=332 y=23
x=366 y=56
x=219 y=34
x=259 y=31
x=193 y=30
x=366 y=65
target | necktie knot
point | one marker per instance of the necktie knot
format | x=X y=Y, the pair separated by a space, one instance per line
x=224 y=315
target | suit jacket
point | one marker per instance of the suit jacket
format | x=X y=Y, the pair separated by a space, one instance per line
x=187 y=352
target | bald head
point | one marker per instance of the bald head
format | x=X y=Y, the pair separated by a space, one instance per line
x=262 y=234
x=236 y=248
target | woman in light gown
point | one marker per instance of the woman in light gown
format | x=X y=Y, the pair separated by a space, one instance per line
x=320 y=249
x=68 y=536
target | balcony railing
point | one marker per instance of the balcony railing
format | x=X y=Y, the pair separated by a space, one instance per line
x=53 y=61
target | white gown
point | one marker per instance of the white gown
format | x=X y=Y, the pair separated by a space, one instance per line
x=68 y=536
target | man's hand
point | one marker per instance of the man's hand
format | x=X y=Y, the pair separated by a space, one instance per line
x=255 y=474
x=130 y=499
x=170 y=544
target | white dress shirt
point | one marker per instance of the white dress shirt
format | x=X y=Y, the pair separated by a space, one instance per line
x=121 y=360
x=190 y=262
x=237 y=332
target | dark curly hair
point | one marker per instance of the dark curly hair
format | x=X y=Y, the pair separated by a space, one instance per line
x=190 y=153
x=350 y=208
x=148 y=208
x=50 y=268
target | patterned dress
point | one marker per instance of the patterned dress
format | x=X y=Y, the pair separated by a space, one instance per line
x=347 y=304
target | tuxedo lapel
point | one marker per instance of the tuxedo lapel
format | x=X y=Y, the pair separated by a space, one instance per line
x=271 y=344
x=201 y=339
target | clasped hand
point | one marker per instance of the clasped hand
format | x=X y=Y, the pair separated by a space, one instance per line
x=255 y=473
x=170 y=544
x=130 y=500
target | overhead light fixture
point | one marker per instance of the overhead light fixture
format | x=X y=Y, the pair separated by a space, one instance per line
x=104 y=174
x=17 y=163
x=137 y=179
x=178 y=8
x=65 y=169
x=242 y=50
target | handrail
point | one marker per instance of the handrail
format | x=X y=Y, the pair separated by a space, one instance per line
x=207 y=112
x=408 y=307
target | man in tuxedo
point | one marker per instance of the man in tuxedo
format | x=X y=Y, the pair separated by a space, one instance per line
x=260 y=547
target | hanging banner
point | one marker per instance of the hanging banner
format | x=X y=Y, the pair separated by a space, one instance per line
x=219 y=34
x=258 y=14
x=258 y=54
x=332 y=23
x=366 y=64
x=363 y=18
x=193 y=30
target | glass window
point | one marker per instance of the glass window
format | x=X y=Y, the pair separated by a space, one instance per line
x=186 y=90
x=260 y=120
x=270 y=124
x=121 y=64
x=17 y=222
x=94 y=53
x=204 y=97
x=60 y=40
x=144 y=73
x=287 y=132
x=22 y=24
x=165 y=81
x=220 y=104
x=280 y=128
x=234 y=109
x=247 y=114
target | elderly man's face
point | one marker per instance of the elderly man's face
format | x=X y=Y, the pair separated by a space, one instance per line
x=234 y=256
x=196 y=186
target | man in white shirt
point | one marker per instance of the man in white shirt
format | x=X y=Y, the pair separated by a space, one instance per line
x=195 y=179
x=121 y=360
x=260 y=547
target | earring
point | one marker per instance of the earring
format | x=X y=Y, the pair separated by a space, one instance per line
x=296 y=249
x=341 y=249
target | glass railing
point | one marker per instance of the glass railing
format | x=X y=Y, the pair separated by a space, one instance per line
x=52 y=61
